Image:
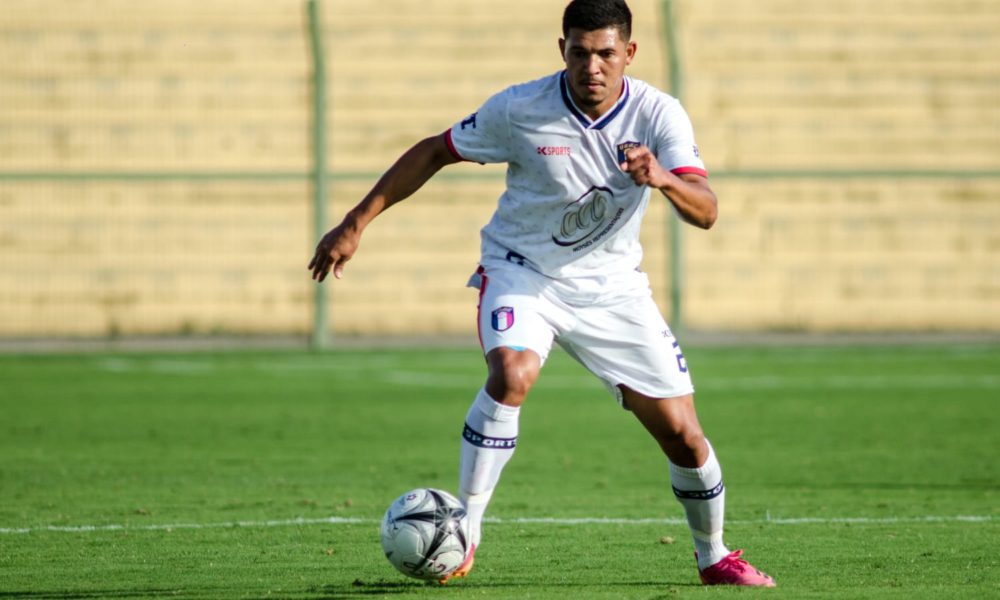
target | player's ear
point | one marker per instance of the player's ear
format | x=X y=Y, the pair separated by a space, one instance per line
x=630 y=49
x=562 y=48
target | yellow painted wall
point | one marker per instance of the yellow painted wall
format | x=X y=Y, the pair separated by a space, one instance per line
x=223 y=86
x=909 y=85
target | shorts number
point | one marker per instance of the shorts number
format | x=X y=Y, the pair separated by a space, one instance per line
x=681 y=363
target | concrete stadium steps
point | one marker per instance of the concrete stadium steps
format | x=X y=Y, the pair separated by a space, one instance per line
x=846 y=254
x=193 y=85
x=162 y=38
x=102 y=258
x=233 y=14
x=897 y=84
x=843 y=10
x=161 y=51
x=178 y=85
x=111 y=85
x=188 y=145
x=405 y=69
x=183 y=85
x=765 y=146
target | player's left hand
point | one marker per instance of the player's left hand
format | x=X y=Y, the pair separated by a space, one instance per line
x=644 y=169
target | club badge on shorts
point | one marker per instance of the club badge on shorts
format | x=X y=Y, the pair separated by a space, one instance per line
x=503 y=318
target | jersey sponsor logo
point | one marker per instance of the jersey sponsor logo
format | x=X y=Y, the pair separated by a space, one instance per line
x=587 y=219
x=553 y=150
x=601 y=233
x=625 y=147
x=503 y=318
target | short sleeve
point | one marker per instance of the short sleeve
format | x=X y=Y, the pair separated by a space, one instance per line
x=675 y=146
x=483 y=136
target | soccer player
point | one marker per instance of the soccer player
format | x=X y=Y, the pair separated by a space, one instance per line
x=560 y=260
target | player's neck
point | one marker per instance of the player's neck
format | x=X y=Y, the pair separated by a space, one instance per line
x=596 y=111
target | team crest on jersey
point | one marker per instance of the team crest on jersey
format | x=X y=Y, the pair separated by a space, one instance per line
x=625 y=147
x=503 y=318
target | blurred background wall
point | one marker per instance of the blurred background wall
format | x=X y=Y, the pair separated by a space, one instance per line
x=156 y=160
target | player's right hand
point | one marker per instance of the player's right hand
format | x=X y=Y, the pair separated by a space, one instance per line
x=336 y=248
x=641 y=165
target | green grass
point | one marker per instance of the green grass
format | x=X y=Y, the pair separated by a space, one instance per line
x=170 y=475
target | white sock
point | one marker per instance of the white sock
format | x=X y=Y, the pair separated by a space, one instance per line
x=703 y=496
x=488 y=442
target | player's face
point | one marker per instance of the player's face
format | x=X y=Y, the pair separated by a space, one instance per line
x=595 y=67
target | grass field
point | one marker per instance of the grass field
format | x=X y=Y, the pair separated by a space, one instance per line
x=852 y=472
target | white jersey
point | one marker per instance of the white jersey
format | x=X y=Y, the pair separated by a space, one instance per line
x=569 y=211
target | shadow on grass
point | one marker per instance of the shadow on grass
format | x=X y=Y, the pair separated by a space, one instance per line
x=355 y=589
x=362 y=589
x=85 y=594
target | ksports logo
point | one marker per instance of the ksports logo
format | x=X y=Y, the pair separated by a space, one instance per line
x=553 y=150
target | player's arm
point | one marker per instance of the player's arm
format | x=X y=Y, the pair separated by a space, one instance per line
x=688 y=192
x=406 y=176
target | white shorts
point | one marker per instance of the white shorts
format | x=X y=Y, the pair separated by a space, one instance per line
x=620 y=337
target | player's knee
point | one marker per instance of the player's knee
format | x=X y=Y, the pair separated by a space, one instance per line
x=512 y=374
x=511 y=386
x=684 y=446
x=688 y=432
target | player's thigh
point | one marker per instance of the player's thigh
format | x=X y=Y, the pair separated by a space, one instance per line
x=513 y=313
x=629 y=344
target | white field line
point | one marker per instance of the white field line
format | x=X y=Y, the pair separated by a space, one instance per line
x=503 y=521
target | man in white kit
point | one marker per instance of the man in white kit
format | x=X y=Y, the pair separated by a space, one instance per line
x=560 y=260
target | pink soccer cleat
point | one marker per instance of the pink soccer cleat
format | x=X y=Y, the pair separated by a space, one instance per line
x=733 y=570
x=462 y=570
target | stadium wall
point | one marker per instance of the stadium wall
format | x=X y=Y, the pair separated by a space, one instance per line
x=155 y=161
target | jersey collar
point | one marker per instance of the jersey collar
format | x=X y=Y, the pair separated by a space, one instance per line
x=584 y=119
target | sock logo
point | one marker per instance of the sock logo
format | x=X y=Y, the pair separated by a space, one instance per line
x=484 y=441
x=699 y=494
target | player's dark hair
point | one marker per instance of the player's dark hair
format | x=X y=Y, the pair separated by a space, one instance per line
x=591 y=15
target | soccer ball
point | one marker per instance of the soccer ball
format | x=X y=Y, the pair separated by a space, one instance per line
x=425 y=533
